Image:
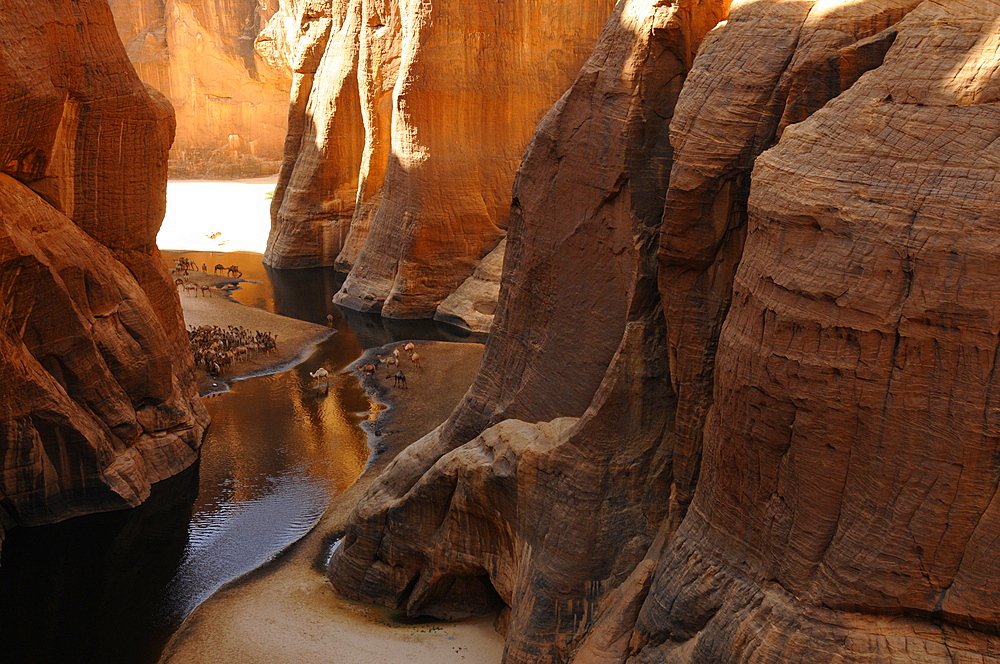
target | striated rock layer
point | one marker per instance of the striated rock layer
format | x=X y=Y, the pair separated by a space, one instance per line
x=538 y=467
x=224 y=65
x=98 y=398
x=773 y=438
x=408 y=122
x=846 y=510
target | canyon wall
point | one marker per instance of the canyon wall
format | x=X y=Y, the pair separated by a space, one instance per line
x=224 y=66
x=531 y=495
x=737 y=403
x=408 y=123
x=98 y=397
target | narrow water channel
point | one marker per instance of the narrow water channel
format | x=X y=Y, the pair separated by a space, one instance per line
x=113 y=587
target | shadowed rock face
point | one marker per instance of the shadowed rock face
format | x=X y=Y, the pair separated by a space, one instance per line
x=847 y=491
x=408 y=122
x=771 y=439
x=224 y=65
x=98 y=399
x=538 y=466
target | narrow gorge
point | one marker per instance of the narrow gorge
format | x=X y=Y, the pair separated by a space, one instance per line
x=735 y=258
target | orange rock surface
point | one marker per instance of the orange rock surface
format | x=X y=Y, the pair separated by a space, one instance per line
x=96 y=376
x=531 y=495
x=773 y=438
x=225 y=68
x=408 y=122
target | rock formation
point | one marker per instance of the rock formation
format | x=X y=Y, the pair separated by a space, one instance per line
x=408 y=122
x=98 y=398
x=846 y=507
x=773 y=439
x=538 y=466
x=473 y=305
x=224 y=65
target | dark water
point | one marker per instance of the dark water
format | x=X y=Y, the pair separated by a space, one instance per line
x=113 y=587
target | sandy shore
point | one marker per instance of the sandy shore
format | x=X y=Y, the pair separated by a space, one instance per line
x=287 y=612
x=295 y=338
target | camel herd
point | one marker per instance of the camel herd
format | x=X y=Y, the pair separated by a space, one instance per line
x=183 y=266
x=216 y=347
x=393 y=359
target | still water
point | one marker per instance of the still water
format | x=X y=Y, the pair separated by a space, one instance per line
x=113 y=587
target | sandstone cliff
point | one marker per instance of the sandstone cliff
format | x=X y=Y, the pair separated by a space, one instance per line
x=224 y=65
x=538 y=466
x=408 y=122
x=98 y=399
x=772 y=440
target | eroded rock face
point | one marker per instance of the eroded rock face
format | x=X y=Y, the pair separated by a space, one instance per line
x=98 y=396
x=224 y=65
x=408 y=123
x=473 y=305
x=537 y=467
x=850 y=462
x=773 y=441
x=734 y=106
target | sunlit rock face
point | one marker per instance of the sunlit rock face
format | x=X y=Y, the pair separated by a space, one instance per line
x=771 y=438
x=408 y=123
x=224 y=65
x=98 y=398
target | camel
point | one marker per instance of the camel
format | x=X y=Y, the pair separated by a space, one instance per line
x=399 y=379
x=207 y=291
x=368 y=369
x=319 y=374
x=409 y=347
x=415 y=359
x=219 y=267
x=234 y=271
x=188 y=286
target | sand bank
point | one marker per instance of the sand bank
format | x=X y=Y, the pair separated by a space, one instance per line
x=295 y=338
x=287 y=612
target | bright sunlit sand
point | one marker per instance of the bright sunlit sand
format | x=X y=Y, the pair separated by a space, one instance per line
x=229 y=215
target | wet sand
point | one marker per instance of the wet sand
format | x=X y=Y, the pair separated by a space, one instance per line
x=295 y=338
x=287 y=612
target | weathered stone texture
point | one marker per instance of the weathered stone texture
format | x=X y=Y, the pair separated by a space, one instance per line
x=774 y=439
x=224 y=66
x=98 y=399
x=731 y=110
x=850 y=464
x=538 y=466
x=474 y=304
x=410 y=137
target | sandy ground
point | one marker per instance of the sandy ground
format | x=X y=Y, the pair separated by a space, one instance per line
x=233 y=215
x=295 y=338
x=287 y=613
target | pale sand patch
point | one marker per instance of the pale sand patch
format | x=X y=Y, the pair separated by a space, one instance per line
x=236 y=212
x=287 y=613
x=295 y=338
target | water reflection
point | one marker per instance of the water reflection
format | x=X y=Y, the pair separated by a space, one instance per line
x=113 y=587
x=89 y=589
